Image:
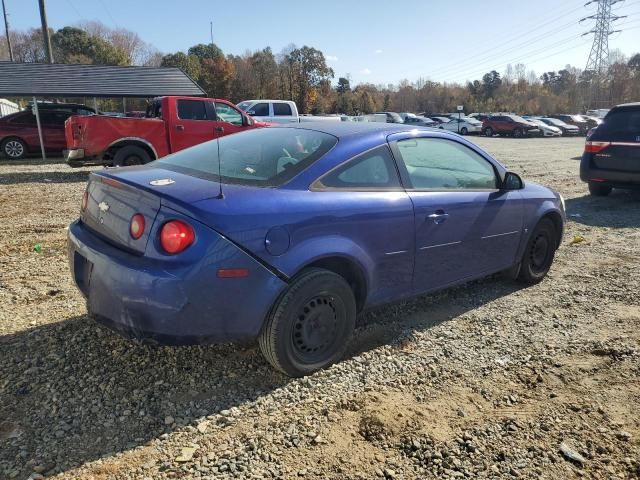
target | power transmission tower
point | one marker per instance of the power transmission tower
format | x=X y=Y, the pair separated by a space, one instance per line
x=599 y=57
x=598 y=62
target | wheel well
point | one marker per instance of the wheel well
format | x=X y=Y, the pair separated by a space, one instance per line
x=348 y=270
x=111 y=151
x=557 y=224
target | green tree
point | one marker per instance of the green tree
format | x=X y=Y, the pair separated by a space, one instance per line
x=189 y=64
x=74 y=45
x=308 y=69
x=202 y=51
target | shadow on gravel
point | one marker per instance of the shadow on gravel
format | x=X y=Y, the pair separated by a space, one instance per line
x=73 y=392
x=43 y=177
x=620 y=209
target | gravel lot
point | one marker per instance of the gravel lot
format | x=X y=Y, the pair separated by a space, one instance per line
x=483 y=381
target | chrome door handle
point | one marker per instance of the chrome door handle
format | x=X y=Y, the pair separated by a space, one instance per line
x=180 y=128
x=438 y=218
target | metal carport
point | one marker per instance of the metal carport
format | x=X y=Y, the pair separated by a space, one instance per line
x=98 y=81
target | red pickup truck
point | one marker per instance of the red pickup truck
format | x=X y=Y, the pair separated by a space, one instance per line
x=171 y=124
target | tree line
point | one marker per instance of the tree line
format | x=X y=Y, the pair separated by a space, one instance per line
x=303 y=75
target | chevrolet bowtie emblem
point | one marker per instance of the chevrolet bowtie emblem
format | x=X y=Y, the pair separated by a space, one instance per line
x=103 y=206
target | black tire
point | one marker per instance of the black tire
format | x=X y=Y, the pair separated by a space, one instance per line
x=310 y=326
x=539 y=253
x=464 y=131
x=14 y=148
x=599 y=190
x=518 y=133
x=488 y=132
x=131 y=155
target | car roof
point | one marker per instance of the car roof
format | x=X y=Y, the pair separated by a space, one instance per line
x=355 y=129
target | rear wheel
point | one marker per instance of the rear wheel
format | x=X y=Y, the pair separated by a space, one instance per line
x=14 y=148
x=599 y=190
x=311 y=324
x=464 y=131
x=539 y=253
x=488 y=132
x=131 y=155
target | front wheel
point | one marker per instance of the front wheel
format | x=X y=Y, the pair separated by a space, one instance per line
x=518 y=133
x=599 y=190
x=539 y=253
x=464 y=131
x=311 y=324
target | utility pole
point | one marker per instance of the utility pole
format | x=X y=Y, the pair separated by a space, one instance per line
x=6 y=29
x=45 y=31
x=598 y=62
x=211 y=28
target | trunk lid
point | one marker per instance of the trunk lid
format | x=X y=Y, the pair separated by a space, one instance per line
x=115 y=195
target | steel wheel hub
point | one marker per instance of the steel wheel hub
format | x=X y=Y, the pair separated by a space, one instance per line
x=316 y=326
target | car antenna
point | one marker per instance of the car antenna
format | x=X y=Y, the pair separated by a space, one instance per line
x=218 y=129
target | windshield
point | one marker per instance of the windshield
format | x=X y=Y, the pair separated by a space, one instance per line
x=517 y=118
x=396 y=118
x=244 y=106
x=555 y=121
x=263 y=157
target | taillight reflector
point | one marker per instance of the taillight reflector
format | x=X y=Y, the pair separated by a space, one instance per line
x=76 y=129
x=176 y=236
x=136 y=227
x=233 y=273
x=595 y=147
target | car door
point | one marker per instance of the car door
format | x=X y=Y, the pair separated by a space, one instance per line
x=465 y=225
x=229 y=119
x=282 y=113
x=53 y=129
x=363 y=200
x=192 y=124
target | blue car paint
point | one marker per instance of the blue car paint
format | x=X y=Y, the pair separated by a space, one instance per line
x=277 y=232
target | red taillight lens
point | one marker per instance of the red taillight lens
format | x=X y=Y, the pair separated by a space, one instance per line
x=176 y=236
x=595 y=147
x=75 y=131
x=136 y=227
x=85 y=200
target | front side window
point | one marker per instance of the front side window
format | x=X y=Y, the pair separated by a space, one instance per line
x=282 y=109
x=260 y=110
x=264 y=157
x=438 y=164
x=228 y=114
x=192 y=110
x=372 y=170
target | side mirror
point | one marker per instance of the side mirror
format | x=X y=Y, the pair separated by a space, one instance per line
x=250 y=112
x=247 y=121
x=512 y=181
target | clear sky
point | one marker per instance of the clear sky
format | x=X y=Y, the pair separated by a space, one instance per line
x=374 y=41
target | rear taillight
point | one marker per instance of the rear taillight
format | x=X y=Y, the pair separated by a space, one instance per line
x=136 y=226
x=76 y=130
x=85 y=200
x=595 y=147
x=176 y=236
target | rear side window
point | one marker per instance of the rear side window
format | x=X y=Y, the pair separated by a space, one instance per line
x=259 y=110
x=282 y=109
x=372 y=170
x=24 y=118
x=192 y=110
x=264 y=157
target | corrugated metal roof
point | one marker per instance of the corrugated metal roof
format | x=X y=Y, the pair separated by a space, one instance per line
x=58 y=80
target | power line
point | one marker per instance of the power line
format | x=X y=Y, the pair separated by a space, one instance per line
x=494 y=53
x=104 y=5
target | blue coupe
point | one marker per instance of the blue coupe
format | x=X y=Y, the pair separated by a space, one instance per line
x=284 y=234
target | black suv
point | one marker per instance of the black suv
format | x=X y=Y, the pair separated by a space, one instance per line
x=611 y=156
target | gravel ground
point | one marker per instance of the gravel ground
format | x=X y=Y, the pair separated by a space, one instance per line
x=487 y=380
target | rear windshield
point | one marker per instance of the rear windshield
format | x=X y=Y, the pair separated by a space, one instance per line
x=263 y=157
x=623 y=121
